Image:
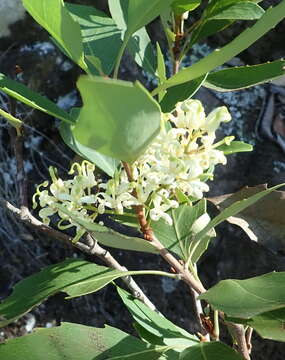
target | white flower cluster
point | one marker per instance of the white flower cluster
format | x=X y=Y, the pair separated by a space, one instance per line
x=178 y=163
x=180 y=160
x=74 y=195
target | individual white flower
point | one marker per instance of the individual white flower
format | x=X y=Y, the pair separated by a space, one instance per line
x=214 y=119
x=161 y=205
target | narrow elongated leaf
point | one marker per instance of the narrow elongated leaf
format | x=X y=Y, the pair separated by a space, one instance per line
x=235 y=147
x=250 y=297
x=265 y=218
x=181 y=6
x=16 y=123
x=76 y=342
x=100 y=35
x=213 y=350
x=72 y=276
x=244 y=76
x=234 y=209
x=55 y=18
x=180 y=93
x=24 y=94
x=269 y=325
x=109 y=237
x=161 y=70
x=242 y=10
x=156 y=324
x=118 y=118
x=177 y=237
x=269 y=20
x=105 y=163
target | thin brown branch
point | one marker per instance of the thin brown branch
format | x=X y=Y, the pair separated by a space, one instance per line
x=248 y=336
x=238 y=333
x=92 y=248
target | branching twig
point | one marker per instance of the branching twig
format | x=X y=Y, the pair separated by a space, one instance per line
x=92 y=248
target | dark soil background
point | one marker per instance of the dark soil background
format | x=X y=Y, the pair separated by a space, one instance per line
x=232 y=254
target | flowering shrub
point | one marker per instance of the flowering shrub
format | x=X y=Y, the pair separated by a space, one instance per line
x=159 y=151
x=179 y=161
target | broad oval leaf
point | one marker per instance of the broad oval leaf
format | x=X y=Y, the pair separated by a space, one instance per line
x=105 y=163
x=181 y=6
x=269 y=325
x=135 y=14
x=248 y=298
x=269 y=20
x=177 y=237
x=76 y=342
x=55 y=18
x=156 y=324
x=240 y=10
x=213 y=350
x=100 y=35
x=244 y=76
x=118 y=118
x=73 y=276
x=141 y=49
x=27 y=96
x=102 y=40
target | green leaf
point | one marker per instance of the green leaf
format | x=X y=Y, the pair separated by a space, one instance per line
x=181 y=6
x=160 y=71
x=207 y=28
x=235 y=147
x=180 y=93
x=118 y=119
x=109 y=237
x=72 y=276
x=140 y=48
x=105 y=163
x=269 y=325
x=269 y=20
x=242 y=10
x=213 y=350
x=100 y=35
x=156 y=324
x=147 y=335
x=250 y=297
x=244 y=76
x=234 y=209
x=177 y=237
x=76 y=342
x=15 y=122
x=131 y=16
x=33 y=99
x=264 y=218
x=135 y=14
x=55 y=18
